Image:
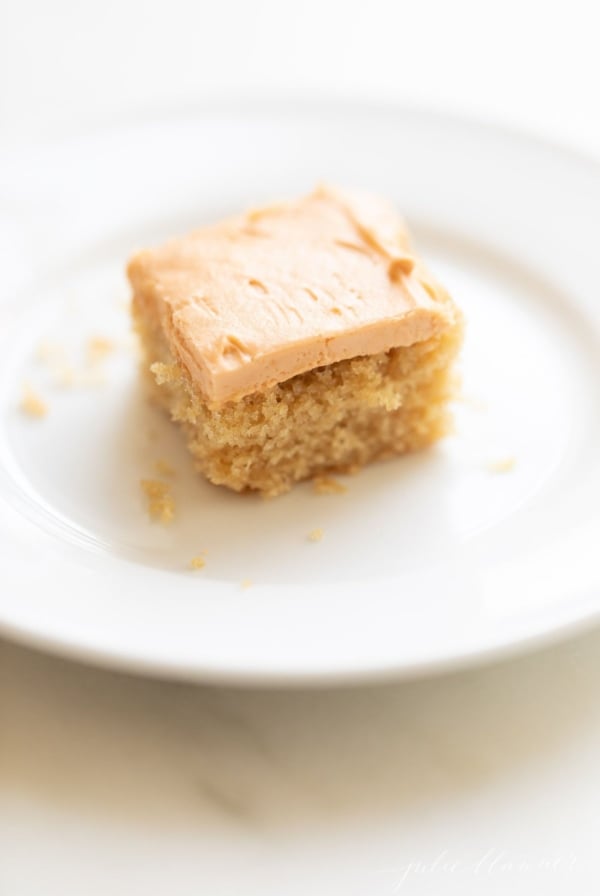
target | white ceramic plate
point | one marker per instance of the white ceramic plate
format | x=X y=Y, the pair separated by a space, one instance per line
x=485 y=544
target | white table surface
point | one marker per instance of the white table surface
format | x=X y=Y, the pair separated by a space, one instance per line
x=486 y=781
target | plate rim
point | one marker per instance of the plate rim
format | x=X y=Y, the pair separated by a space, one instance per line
x=248 y=105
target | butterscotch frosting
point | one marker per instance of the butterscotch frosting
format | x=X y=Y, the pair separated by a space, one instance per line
x=280 y=290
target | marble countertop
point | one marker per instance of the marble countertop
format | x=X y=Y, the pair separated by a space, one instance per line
x=483 y=781
x=486 y=781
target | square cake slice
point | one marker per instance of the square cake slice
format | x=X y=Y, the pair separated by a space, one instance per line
x=297 y=339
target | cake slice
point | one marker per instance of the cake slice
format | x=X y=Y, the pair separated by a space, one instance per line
x=296 y=340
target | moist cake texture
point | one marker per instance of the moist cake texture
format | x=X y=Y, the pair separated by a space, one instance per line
x=297 y=340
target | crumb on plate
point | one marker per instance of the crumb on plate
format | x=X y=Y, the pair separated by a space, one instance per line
x=64 y=374
x=315 y=535
x=197 y=562
x=161 y=505
x=164 y=468
x=32 y=404
x=246 y=583
x=502 y=465
x=98 y=347
x=325 y=485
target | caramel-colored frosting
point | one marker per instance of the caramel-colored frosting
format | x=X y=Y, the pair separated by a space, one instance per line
x=280 y=290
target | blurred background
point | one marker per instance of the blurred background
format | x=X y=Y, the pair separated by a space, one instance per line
x=526 y=62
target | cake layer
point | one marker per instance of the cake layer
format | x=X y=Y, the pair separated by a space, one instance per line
x=282 y=290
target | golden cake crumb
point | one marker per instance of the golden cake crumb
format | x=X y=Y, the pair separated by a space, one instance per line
x=316 y=535
x=98 y=347
x=64 y=374
x=343 y=413
x=197 y=562
x=161 y=505
x=246 y=583
x=502 y=465
x=32 y=404
x=164 y=468
x=325 y=485
x=164 y=373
